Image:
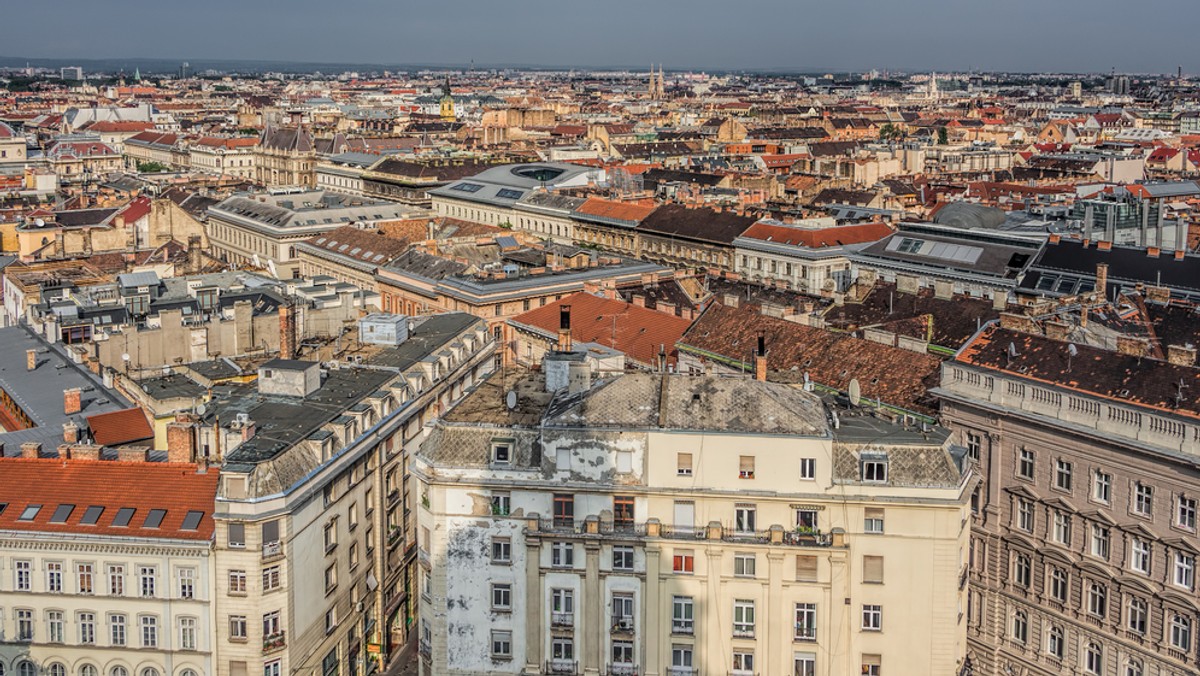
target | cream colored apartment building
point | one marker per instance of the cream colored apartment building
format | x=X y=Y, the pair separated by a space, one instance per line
x=677 y=525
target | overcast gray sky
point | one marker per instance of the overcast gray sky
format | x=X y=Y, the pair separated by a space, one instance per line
x=1032 y=35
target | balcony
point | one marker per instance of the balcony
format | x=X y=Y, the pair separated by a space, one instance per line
x=425 y=649
x=273 y=642
x=743 y=632
x=562 y=620
x=683 y=628
x=804 y=633
x=622 y=625
x=272 y=550
x=682 y=671
x=622 y=670
x=594 y=527
x=570 y=667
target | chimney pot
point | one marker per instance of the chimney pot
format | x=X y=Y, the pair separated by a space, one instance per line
x=72 y=401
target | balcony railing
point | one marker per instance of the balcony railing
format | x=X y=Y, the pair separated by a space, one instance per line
x=743 y=632
x=425 y=649
x=686 y=628
x=622 y=670
x=273 y=549
x=273 y=642
x=593 y=527
x=562 y=620
x=682 y=671
x=562 y=667
x=804 y=633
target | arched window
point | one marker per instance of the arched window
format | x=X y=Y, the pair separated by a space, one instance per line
x=1020 y=627
x=1093 y=659
x=26 y=668
x=1055 y=642
x=119 y=671
x=57 y=669
x=1134 y=668
x=150 y=671
x=2 y=671
x=188 y=672
x=88 y=670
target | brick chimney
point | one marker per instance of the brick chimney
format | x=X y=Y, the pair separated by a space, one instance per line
x=72 y=401
x=1182 y=355
x=31 y=449
x=639 y=300
x=1057 y=330
x=564 y=328
x=1129 y=345
x=760 y=359
x=70 y=433
x=31 y=360
x=1153 y=251
x=133 y=454
x=287 y=331
x=181 y=440
x=84 y=451
x=1102 y=280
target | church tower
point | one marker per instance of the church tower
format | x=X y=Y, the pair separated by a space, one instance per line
x=447 y=103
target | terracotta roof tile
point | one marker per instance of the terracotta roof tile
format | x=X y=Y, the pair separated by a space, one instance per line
x=621 y=211
x=818 y=238
x=120 y=427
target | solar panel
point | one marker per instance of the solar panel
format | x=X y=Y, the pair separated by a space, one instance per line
x=91 y=515
x=124 y=515
x=192 y=520
x=62 y=514
x=154 y=518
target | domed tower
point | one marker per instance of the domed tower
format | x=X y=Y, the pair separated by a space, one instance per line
x=447 y=103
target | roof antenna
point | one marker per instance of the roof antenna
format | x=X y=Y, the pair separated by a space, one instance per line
x=1071 y=352
x=1012 y=352
x=1179 y=398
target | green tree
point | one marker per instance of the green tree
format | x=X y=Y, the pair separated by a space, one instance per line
x=151 y=167
x=943 y=136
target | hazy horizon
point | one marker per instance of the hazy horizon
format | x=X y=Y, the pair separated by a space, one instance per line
x=768 y=35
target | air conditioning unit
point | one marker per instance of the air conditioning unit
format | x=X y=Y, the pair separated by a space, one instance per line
x=625 y=623
x=358 y=607
x=243 y=419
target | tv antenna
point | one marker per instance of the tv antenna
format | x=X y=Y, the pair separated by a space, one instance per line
x=1072 y=352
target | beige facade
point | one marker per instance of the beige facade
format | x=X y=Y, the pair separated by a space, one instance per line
x=590 y=542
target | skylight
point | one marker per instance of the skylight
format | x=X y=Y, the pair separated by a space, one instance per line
x=30 y=513
x=91 y=515
x=124 y=515
x=62 y=513
x=192 y=520
x=467 y=187
x=154 y=518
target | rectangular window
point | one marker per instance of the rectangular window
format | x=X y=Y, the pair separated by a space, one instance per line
x=23 y=576
x=1101 y=487
x=1139 y=555
x=149 y=631
x=116 y=629
x=501 y=597
x=54 y=577
x=237 y=626
x=562 y=649
x=24 y=625
x=187 y=633
x=116 y=580
x=805 y=664
x=872 y=665
x=1062 y=528
x=562 y=554
x=187 y=583
x=501 y=453
x=271 y=625
x=1062 y=475
x=85 y=578
x=271 y=578
x=237 y=535
x=501 y=504
x=1185 y=570
x=743 y=619
x=745 y=518
x=1185 y=513
x=808 y=469
x=873 y=569
x=501 y=644
x=1025 y=467
x=743 y=663
x=331 y=578
x=683 y=464
x=501 y=550
x=874 y=471
x=872 y=618
x=623 y=511
x=746 y=467
x=684 y=561
x=744 y=565
x=1143 y=499
x=330 y=535
x=806 y=622
x=622 y=557
x=237 y=582
x=1025 y=515
x=564 y=510
x=148 y=579
x=681 y=657
x=54 y=626
x=873 y=521
x=87 y=628
x=974 y=444
x=806 y=568
x=683 y=615
x=622 y=653
x=1022 y=570
x=1100 y=541
x=622 y=611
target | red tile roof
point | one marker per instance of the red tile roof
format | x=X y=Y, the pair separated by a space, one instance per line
x=634 y=330
x=620 y=211
x=136 y=209
x=142 y=486
x=861 y=233
x=120 y=427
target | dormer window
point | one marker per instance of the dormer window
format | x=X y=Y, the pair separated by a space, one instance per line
x=502 y=452
x=874 y=468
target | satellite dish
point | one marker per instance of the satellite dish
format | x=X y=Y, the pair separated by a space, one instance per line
x=510 y=399
x=201 y=409
x=125 y=357
x=39 y=223
x=855 y=392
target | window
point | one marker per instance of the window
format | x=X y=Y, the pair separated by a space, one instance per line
x=684 y=561
x=1185 y=513
x=1097 y=599
x=1020 y=627
x=683 y=615
x=806 y=568
x=1181 y=632
x=24 y=625
x=746 y=467
x=237 y=582
x=872 y=618
x=562 y=607
x=1101 y=487
x=149 y=631
x=271 y=625
x=501 y=504
x=501 y=550
x=872 y=665
x=681 y=656
x=622 y=610
x=1093 y=659
x=24 y=576
x=501 y=597
x=147 y=576
x=237 y=535
x=683 y=464
x=502 y=453
x=743 y=619
x=85 y=578
x=116 y=580
x=1062 y=475
x=808 y=469
x=744 y=565
x=330 y=620
x=501 y=644
x=331 y=578
x=874 y=470
x=116 y=629
x=873 y=520
x=744 y=520
x=273 y=668
x=270 y=578
x=1139 y=555
x=1133 y=668
x=54 y=626
x=330 y=535
x=622 y=653
x=562 y=554
x=353 y=555
x=187 y=633
x=1055 y=642
x=87 y=628
x=1185 y=570
x=562 y=649
x=806 y=622
x=873 y=569
x=237 y=626
x=1100 y=541
x=1059 y=585
x=1135 y=615
x=54 y=577
x=743 y=663
x=1025 y=515
x=806 y=520
x=1023 y=570
x=1062 y=528
x=187 y=583
x=1025 y=466
x=623 y=511
x=622 y=557
x=1143 y=499
x=564 y=510
x=804 y=664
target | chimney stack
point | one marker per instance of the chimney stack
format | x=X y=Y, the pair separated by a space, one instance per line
x=1182 y=355
x=72 y=401
x=31 y=360
x=760 y=359
x=287 y=331
x=31 y=449
x=1102 y=280
x=564 y=328
x=181 y=440
x=70 y=433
